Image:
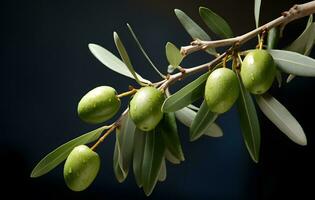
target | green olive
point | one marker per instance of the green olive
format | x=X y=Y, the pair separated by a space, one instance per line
x=145 y=108
x=81 y=168
x=99 y=105
x=221 y=90
x=258 y=71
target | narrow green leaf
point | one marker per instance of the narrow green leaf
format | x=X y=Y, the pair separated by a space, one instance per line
x=282 y=118
x=163 y=172
x=257 y=11
x=279 y=78
x=171 y=158
x=58 y=155
x=112 y=62
x=170 y=136
x=124 y=55
x=139 y=145
x=118 y=171
x=143 y=51
x=152 y=161
x=187 y=95
x=203 y=120
x=293 y=63
x=173 y=54
x=306 y=39
x=273 y=38
x=216 y=23
x=124 y=141
x=193 y=29
x=186 y=116
x=290 y=78
x=193 y=107
x=249 y=122
x=214 y=131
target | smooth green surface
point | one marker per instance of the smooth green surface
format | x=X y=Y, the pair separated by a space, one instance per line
x=169 y=132
x=125 y=146
x=163 y=171
x=273 y=38
x=187 y=116
x=202 y=122
x=54 y=158
x=249 y=122
x=145 y=108
x=193 y=29
x=99 y=105
x=139 y=145
x=81 y=168
x=152 y=161
x=294 y=63
x=186 y=95
x=221 y=90
x=112 y=62
x=125 y=57
x=282 y=118
x=173 y=54
x=215 y=22
x=258 y=71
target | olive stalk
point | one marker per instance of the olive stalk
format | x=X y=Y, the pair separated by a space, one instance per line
x=101 y=139
x=130 y=92
x=296 y=12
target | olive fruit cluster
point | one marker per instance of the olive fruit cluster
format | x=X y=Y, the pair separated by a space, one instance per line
x=258 y=71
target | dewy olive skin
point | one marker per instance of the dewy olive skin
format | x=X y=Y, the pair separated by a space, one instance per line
x=81 y=168
x=98 y=105
x=221 y=90
x=258 y=71
x=145 y=108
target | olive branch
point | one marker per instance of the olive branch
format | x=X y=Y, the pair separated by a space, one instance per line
x=148 y=150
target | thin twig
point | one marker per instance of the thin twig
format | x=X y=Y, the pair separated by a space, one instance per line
x=296 y=12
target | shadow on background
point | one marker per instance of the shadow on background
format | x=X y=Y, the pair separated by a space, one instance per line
x=46 y=67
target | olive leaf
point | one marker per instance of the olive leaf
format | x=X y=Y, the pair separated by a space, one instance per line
x=282 y=118
x=249 y=121
x=143 y=51
x=273 y=38
x=216 y=23
x=124 y=55
x=304 y=43
x=170 y=157
x=163 y=172
x=124 y=141
x=152 y=160
x=306 y=39
x=139 y=145
x=186 y=116
x=279 y=78
x=257 y=11
x=170 y=136
x=193 y=29
x=112 y=62
x=54 y=158
x=293 y=63
x=204 y=120
x=120 y=174
x=186 y=95
x=173 y=55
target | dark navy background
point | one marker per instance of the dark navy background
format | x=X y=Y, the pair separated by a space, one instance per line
x=46 y=67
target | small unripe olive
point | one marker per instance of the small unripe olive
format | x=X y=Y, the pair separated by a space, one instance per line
x=98 y=105
x=145 y=108
x=258 y=71
x=221 y=90
x=81 y=168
